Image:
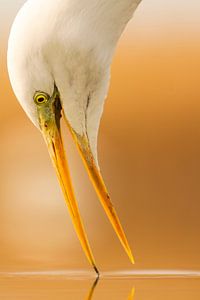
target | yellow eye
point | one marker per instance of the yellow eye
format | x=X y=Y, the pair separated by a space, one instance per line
x=41 y=98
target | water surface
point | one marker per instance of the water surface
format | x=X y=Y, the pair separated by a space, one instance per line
x=63 y=285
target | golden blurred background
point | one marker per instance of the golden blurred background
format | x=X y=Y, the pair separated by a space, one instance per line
x=149 y=152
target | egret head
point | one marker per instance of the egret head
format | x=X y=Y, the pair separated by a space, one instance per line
x=49 y=77
x=58 y=69
x=49 y=49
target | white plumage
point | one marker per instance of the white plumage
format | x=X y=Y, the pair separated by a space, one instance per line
x=59 y=57
x=71 y=43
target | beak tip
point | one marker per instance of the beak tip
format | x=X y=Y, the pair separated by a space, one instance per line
x=131 y=258
x=97 y=271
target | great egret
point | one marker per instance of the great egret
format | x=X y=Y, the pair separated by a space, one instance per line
x=59 y=57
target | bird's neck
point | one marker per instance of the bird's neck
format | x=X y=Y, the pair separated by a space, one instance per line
x=99 y=23
x=108 y=17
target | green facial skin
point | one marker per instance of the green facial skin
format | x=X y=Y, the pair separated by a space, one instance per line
x=48 y=110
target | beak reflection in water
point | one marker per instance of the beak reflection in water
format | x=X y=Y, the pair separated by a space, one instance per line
x=132 y=293
x=93 y=288
x=49 y=114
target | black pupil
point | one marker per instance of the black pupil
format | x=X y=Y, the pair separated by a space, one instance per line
x=41 y=99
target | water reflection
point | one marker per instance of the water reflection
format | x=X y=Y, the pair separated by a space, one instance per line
x=94 y=285
x=44 y=287
x=91 y=292
x=131 y=296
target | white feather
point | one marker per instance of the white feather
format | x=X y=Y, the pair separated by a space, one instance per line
x=71 y=43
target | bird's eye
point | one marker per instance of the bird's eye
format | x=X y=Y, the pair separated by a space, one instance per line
x=41 y=98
